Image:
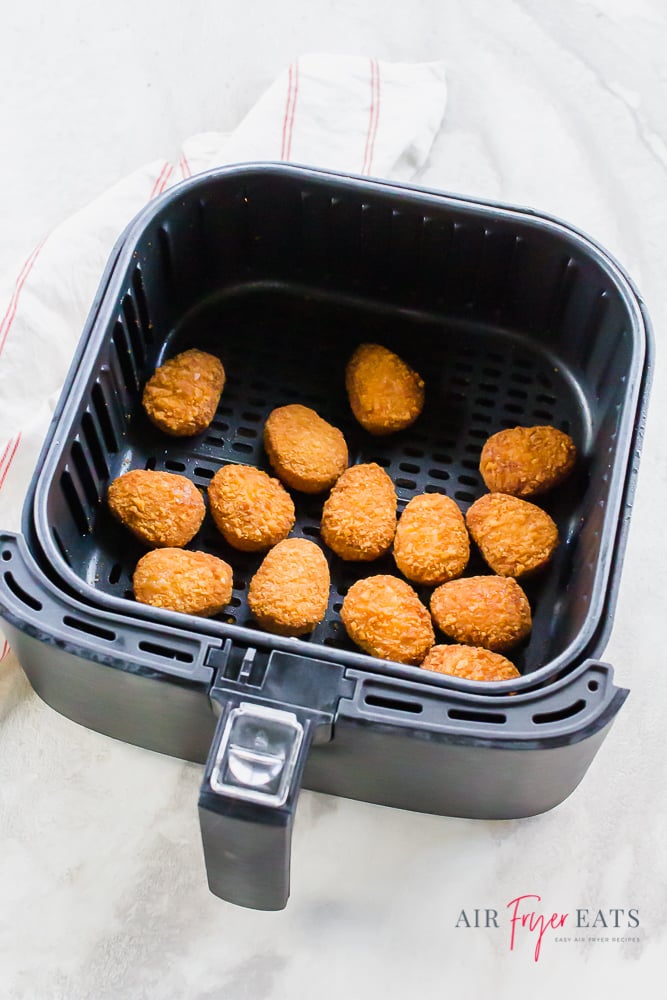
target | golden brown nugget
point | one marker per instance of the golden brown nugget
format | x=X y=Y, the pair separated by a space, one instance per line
x=526 y=461
x=289 y=592
x=306 y=452
x=514 y=536
x=384 y=616
x=195 y=583
x=385 y=394
x=182 y=396
x=431 y=544
x=472 y=662
x=160 y=508
x=359 y=516
x=488 y=611
x=251 y=510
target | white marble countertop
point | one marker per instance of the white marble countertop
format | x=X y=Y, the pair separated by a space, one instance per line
x=102 y=885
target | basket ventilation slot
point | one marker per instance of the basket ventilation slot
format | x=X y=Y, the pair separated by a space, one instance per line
x=393 y=704
x=102 y=413
x=82 y=466
x=467 y=715
x=133 y=329
x=76 y=508
x=543 y=718
x=23 y=596
x=562 y=297
x=141 y=304
x=92 y=438
x=125 y=356
x=168 y=652
x=89 y=628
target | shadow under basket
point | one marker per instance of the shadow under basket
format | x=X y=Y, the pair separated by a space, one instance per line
x=512 y=319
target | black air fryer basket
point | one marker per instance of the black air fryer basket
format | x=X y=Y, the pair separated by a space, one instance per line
x=511 y=318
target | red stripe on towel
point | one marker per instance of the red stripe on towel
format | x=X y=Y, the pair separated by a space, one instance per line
x=9 y=461
x=165 y=179
x=8 y=318
x=290 y=107
x=373 y=117
x=161 y=179
x=4 y=454
x=185 y=167
x=288 y=152
x=377 y=116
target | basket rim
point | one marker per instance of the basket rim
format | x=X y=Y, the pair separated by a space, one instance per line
x=599 y=617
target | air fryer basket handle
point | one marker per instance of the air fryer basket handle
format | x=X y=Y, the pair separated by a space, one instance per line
x=248 y=798
x=269 y=716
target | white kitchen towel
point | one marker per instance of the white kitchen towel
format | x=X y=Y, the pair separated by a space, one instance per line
x=347 y=113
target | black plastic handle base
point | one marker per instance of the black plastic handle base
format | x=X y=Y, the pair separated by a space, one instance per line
x=247 y=841
x=255 y=766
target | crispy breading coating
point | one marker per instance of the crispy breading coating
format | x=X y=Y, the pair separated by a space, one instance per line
x=431 y=544
x=195 y=583
x=472 y=662
x=514 y=536
x=385 y=393
x=526 y=461
x=181 y=397
x=160 y=508
x=251 y=510
x=289 y=592
x=488 y=611
x=306 y=452
x=385 y=617
x=359 y=516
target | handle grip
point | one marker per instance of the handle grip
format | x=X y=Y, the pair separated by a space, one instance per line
x=268 y=721
x=248 y=799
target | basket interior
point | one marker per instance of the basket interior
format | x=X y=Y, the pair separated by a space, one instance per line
x=282 y=275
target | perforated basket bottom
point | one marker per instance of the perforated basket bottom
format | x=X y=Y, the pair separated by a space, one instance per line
x=280 y=345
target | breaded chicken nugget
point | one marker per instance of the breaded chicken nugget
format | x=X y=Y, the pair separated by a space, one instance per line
x=182 y=396
x=289 y=592
x=195 y=583
x=160 y=508
x=359 y=516
x=472 y=662
x=514 y=536
x=384 y=616
x=251 y=510
x=305 y=451
x=385 y=394
x=525 y=461
x=431 y=544
x=488 y=611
